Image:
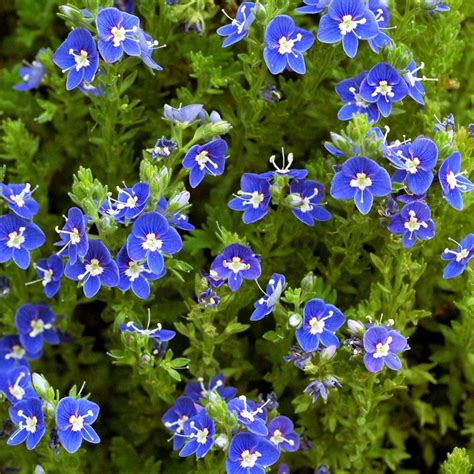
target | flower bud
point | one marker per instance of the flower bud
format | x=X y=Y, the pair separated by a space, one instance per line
x=328 y=352
x=355 y=327
x=40 y=384
x=222 y=441
x=295 y=320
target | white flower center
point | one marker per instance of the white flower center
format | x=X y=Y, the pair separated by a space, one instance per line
x=94 y=268
x=464 y=253
x=16 y=239
x=134 y=270
x=361 y=181
x=256 y=199
x=201 y=436
x=278 y=438
x=383 y=89
x=286 y=45
x=82 y=59
x=17 y=199
x=38 y=327
x=236 y=264
x=152 y=243
x=412 y=165
x=47 y=276
x=316 y=326
x=382 y=349
x=31 y=422
x=118 y=35
x=451 y=179
x=74 y=236
x=414 y=224
x=16 y=391
x=348 y=24
x=17 y=353
x=249 y=459
x=77 y=422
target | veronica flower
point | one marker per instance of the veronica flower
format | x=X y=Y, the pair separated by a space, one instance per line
x=250 y=454
x=253 y=198
x=271 y=94
x=434 y=6
x=448 y=125
x=18 y=197
x=415 y=162
x=298 y=356
x=282 y=434
x=17 y=238
x=213 y=279
x=31 y=75
x=174 y=419
x=199 y=433
x=50 y=270
x=77 y=56
x=236 y=263
x=413 y=222
x=381 y=345
x=347 y=21
x=383 y=86
x=382 y=15
x=35 y=324
x=208 y=298
x=318 y=389
x=151 y=237
x=131 y=201
x=147 y=45
x=320 y=322
x=305 y=198
x=198 y=391
x=459 y=257
x=158 y=334
x=361 y=179
x=73 y=235
x=13 y=354
x=414 y=83
x=28 y=416
x=183 y=115
x=118 y=34
x=135 y=275
x=271 y=296
x=98 y=268
x=250 y=414
x=285 y=44
x=285 y=170
x=90 y=89
x=205 y=159
x=312 y=7
x=453 y=181
x=74 y=419
x=349 y=91
x=239 y=26
x=176 y=219
x=163 y=148
x=15 y=384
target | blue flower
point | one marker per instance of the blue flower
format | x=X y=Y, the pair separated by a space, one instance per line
x=147 y=45
x=349 y=91
x=172 y=210
x=447 y=125
x=73 y=235
x=174 y=419
x=318 y=389
x=238 y=29
x=453 y=181
x=118 y=34
x=208 y=298
x=16 y=384
x=77 y=56
x=273 y=292
x=18 y=197
x=250 y=414
x=361 y=179
x=17 y=238
x=199 y=433
x=50 y=270
x=305 y=198
x=183 y=115
x=250 y=454
x=131 y=201
x=313 y=6
x=127 y=6
x=347 y=21
x=35 y=324
x=382 y=15
x=198 y=391
x=213 y=279
x=414 y=83
x=236 y=263
x=271 y=94
x=298 y=356
x=434 y=6
x=458 y=258
x=151 y=237
x=158 y=334
x=205 y=159
x=413 y=222
x=135 y=275
x=163 y=148
x=320 y=322
x=281 y=433
x=285 y=44
x=90 y=89
x=381 y=346
x=98 y=268
x=28 y=416
x=13 y=354
x=383 y=86
x=31 y=75
x=253 y=198
x=74 y=419
x=415 y=162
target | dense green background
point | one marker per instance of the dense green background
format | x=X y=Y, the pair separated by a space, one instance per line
x=404 y=422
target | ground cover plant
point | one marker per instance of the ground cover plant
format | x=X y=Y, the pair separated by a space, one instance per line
x=236 y=237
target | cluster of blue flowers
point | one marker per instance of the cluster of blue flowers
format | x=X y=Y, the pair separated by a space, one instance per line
x=200 y=420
